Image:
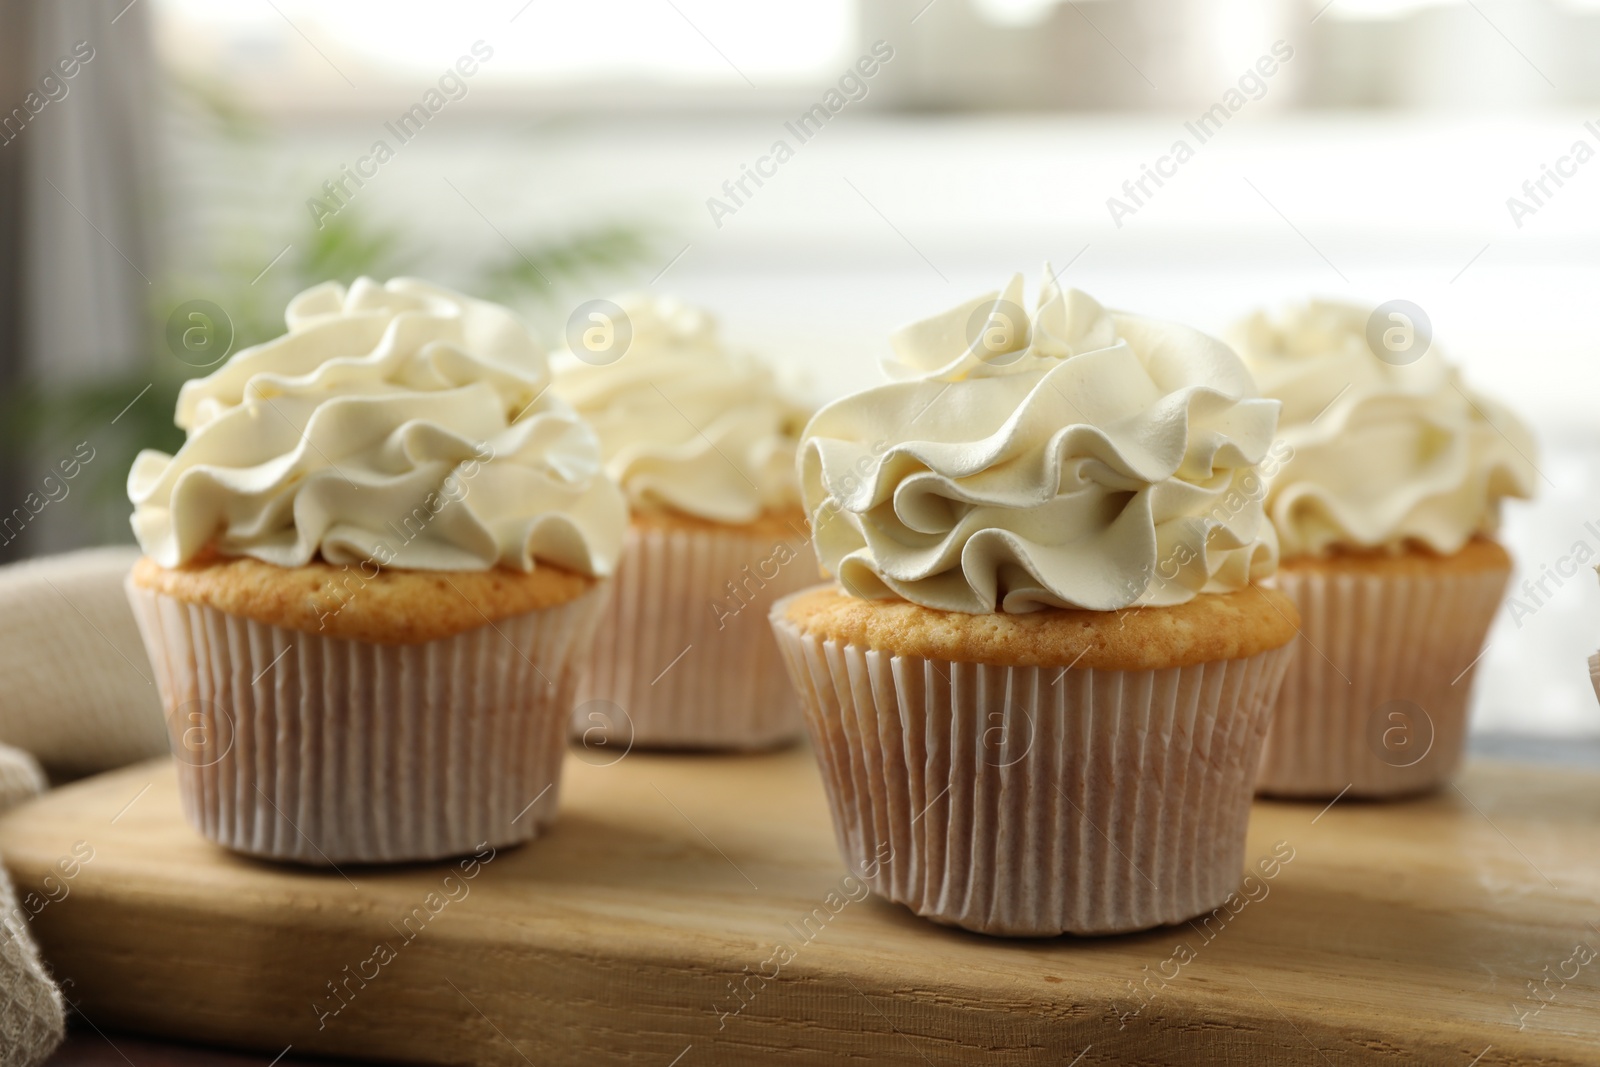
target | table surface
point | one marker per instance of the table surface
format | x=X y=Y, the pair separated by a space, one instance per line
x=1434 y=930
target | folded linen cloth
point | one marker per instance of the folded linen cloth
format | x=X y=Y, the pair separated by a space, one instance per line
x=78 y=698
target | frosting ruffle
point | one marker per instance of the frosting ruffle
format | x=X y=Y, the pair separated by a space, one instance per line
x=400 y=423
x=1382 y=455
x=1074 y=457
x=684 y=424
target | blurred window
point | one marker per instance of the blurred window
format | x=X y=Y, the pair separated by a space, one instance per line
x=299 y=54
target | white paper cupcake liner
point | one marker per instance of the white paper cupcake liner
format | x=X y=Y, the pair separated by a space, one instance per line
x=1594 y=673
x=1375 y=701
x=684 y=657
x=294 y=746
x=1028 y=801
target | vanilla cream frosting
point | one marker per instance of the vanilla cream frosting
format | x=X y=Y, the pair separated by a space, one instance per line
x=1382 y=455
x=399 y=423
x=1071 y=457
x=685 y=424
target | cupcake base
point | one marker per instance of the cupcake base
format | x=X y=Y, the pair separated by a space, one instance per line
x=1032 y=801
x=320 y=750
x=1375 y=703
x=685 y=658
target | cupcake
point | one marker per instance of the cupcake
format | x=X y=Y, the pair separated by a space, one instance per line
x=1039 y=686
x=370 y=576
x=702 y=442
x=1385 y=492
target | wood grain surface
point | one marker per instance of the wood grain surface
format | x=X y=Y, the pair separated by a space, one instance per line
x=664 y=921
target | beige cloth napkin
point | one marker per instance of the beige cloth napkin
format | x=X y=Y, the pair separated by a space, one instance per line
x=32 y=1016
x=79 y=694
x=78 y=697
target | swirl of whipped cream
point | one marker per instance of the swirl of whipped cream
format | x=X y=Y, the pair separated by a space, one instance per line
x=685 y=425
x=400 y=423
x=1076 y=457
x=1382 y=455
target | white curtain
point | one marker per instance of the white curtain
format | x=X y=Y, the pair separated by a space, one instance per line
x=88 y=233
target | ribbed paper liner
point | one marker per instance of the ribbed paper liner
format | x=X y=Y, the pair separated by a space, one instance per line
x=1372 y=646
x=1028 y=801
x=685 y=651
x=1594 y=673
x=327 y=751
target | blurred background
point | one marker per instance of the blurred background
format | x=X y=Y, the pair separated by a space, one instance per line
x=201 y=162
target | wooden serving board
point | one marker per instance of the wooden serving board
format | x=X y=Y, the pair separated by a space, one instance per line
x=1401 y=933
